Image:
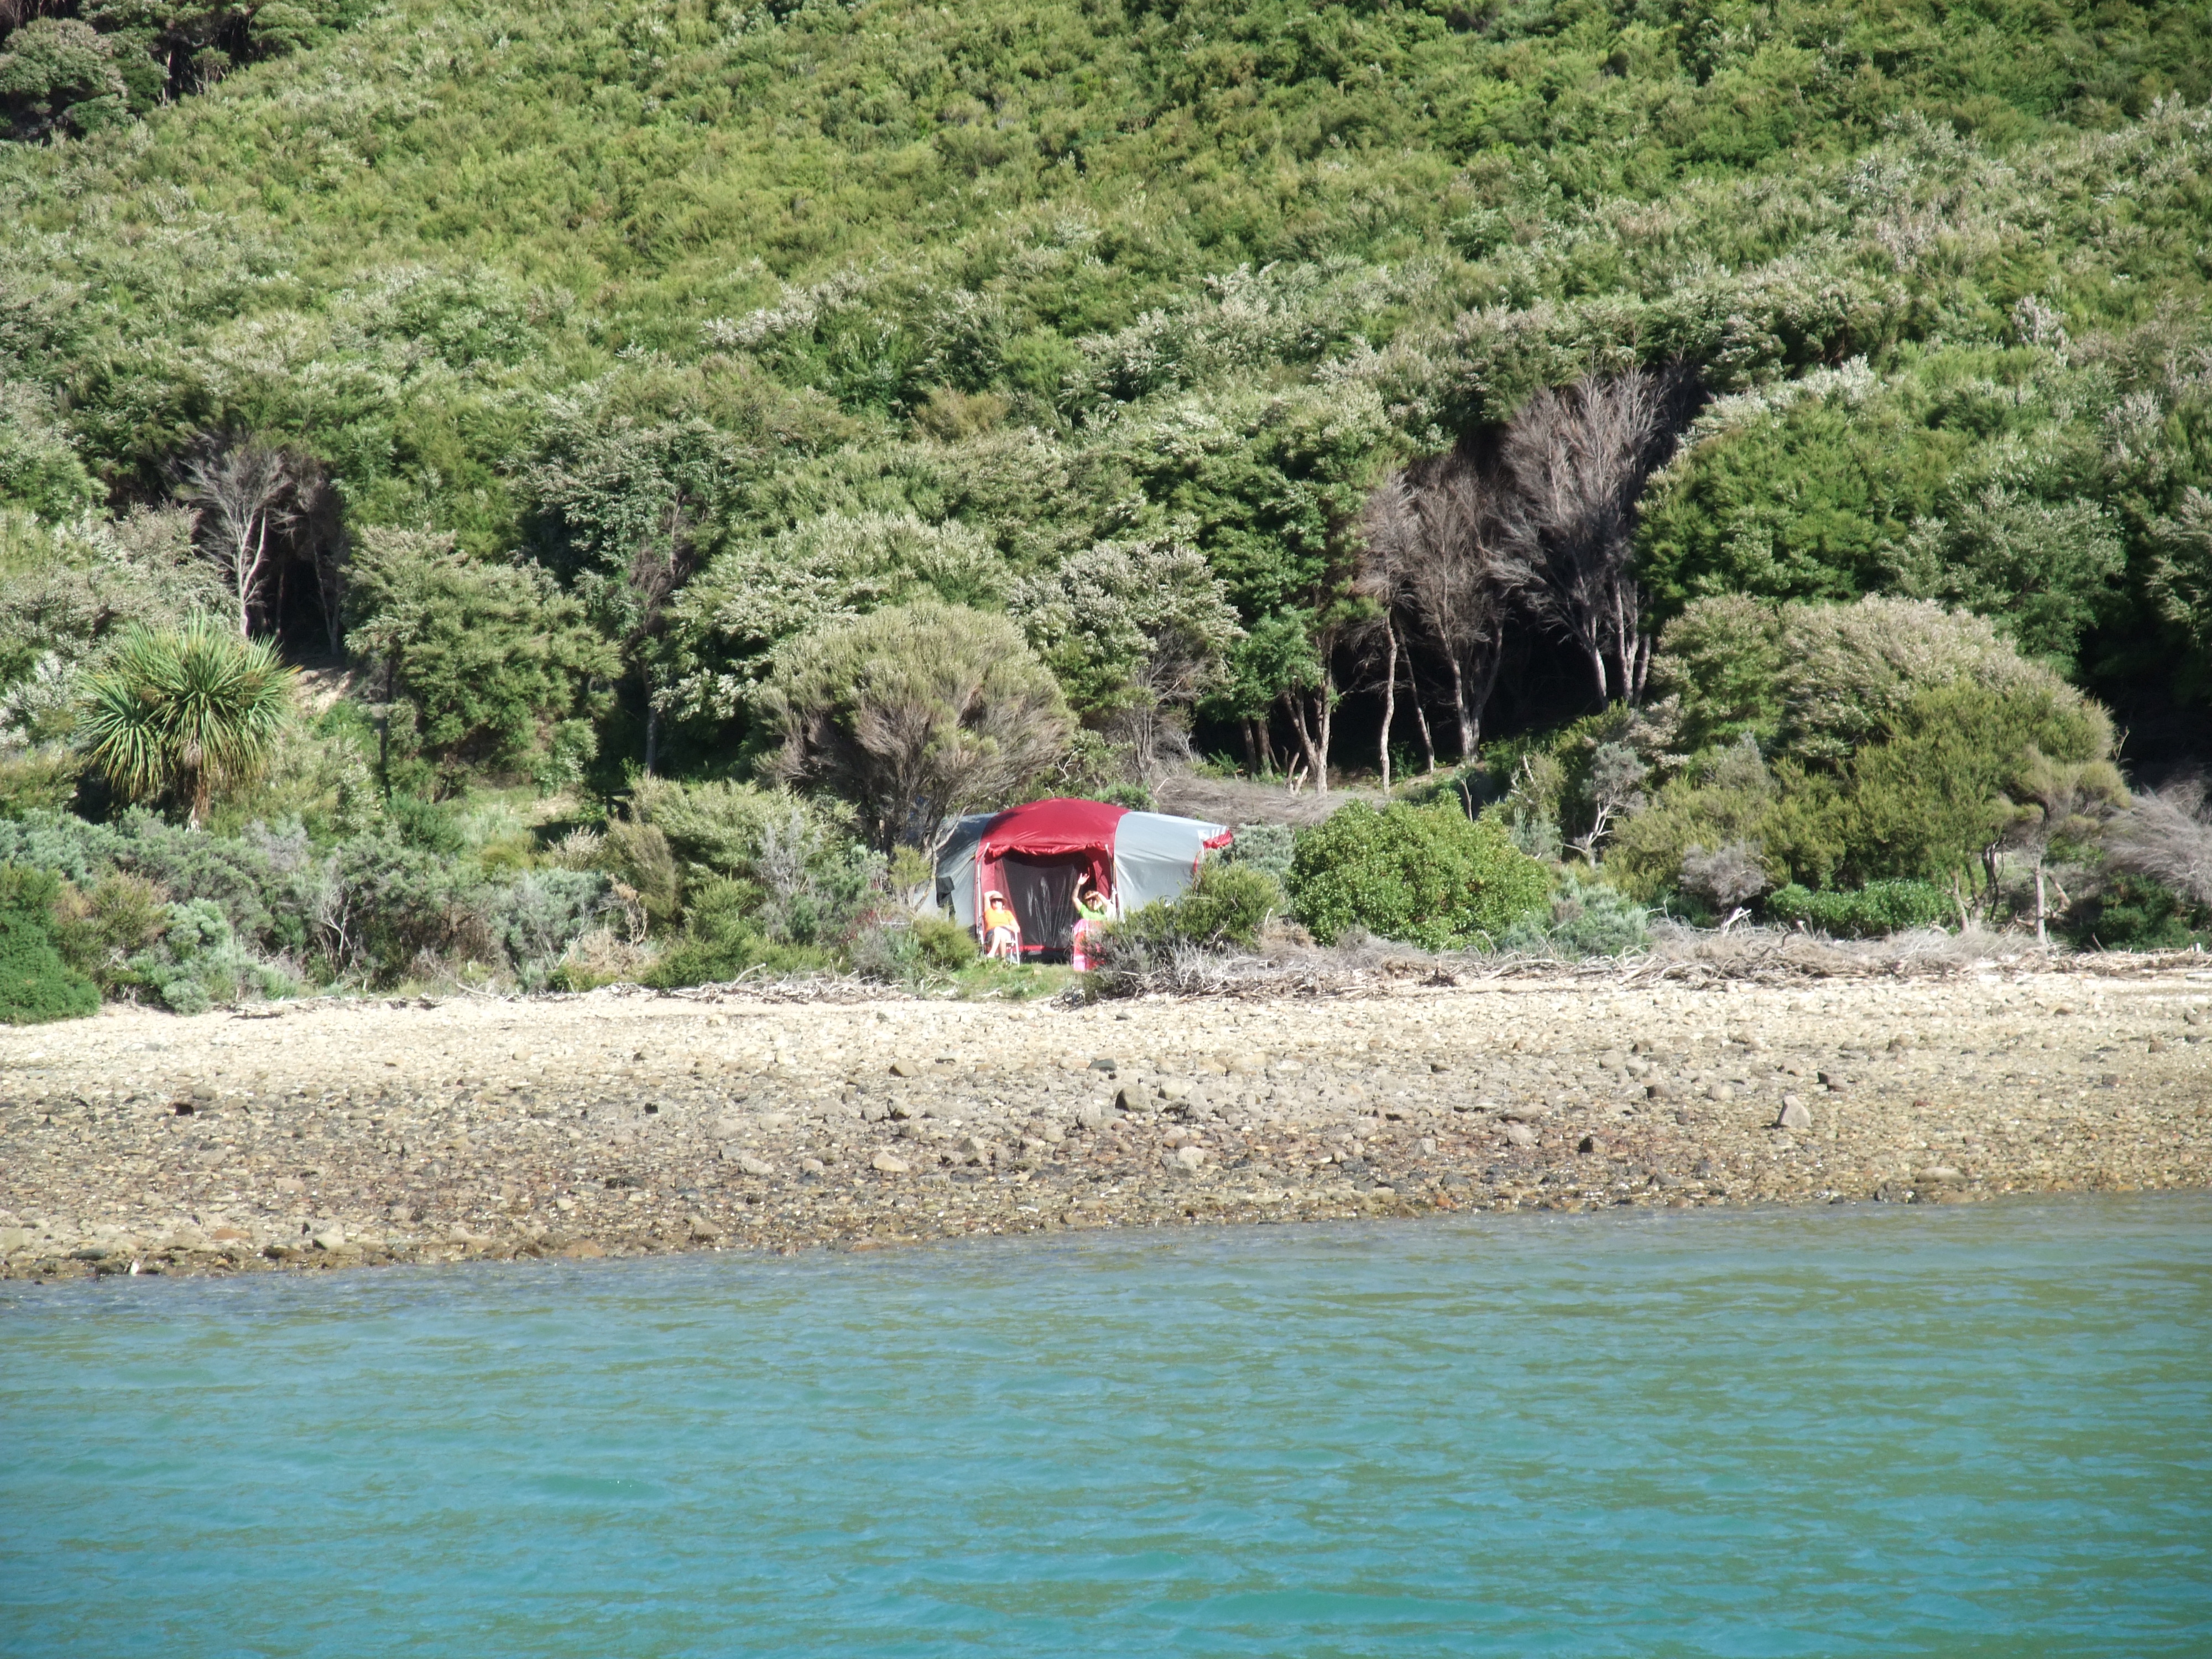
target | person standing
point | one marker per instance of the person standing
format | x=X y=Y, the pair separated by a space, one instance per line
x=1092 y=913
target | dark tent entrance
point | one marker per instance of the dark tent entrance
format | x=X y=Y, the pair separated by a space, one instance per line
x=1042 y=892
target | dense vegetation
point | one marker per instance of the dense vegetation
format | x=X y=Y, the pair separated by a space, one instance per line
x=1511 y=389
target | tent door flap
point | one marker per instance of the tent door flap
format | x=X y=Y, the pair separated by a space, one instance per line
x=1042 y=893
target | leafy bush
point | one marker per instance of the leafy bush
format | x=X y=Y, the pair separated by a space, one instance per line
x=1587 y=919
x=1878 y=908
x=906 y=946
x=490 y=665
x=1908 y=742
x=2135 y=913
x=722 y=938
x=944 y=945
x=371 y=908
x=1227 y=905
x=36 y=985
x=38 y=780
x=197 y=962
x=1430 y=876
x=100 y=929
x=1813 y=682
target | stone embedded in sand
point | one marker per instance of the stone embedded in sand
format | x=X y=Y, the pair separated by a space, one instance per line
x=1793 y=1115
x=754 y=1166
x=906 y=1069
x=1520 y=1134
x=887 y=1164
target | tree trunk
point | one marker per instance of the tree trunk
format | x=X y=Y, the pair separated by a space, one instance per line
x=1251 y=747
x=1459 y=707
x=1596 y=656
x=1486 y=687
x=242 y=572
x=652 y=734
x=1312 y=733
x=1420 y=716
x=1324 y=719
x=1291 y=701
x=2041 y=906
x=1389 y=697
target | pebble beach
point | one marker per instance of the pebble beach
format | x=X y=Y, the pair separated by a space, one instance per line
x=343 y=1134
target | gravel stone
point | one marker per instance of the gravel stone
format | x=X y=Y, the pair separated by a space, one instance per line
x=623 y=1122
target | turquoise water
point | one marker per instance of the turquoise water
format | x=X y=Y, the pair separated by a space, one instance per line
x=1964 y=1430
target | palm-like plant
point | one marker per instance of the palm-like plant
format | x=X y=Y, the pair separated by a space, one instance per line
x=181 y=712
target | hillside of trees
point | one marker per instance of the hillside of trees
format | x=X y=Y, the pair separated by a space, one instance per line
x=1758 y=460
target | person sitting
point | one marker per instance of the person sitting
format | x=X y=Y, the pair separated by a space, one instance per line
x=1092 y=913
x=1002 y=929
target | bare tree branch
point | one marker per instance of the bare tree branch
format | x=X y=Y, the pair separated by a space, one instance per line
x=1432 y=535
x=2166 y=837
x=1578 y=458
x=244 y=489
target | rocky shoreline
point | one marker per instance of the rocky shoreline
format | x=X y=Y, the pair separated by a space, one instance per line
x=342 y=1133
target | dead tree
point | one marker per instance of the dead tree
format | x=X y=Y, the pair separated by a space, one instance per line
x=1577 y=459
x=244 y=489
x=1432 y=535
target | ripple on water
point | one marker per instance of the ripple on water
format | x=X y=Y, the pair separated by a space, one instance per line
x=1848 y=1431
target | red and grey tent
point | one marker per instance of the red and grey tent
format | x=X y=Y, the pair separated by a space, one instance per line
x=1038 y=854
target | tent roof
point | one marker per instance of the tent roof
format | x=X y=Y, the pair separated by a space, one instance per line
x=1044 y=828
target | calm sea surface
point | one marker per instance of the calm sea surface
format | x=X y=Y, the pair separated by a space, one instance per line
x=1975 y=1430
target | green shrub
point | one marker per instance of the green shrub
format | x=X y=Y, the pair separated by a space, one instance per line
x=722 y=938
x=36 y=985
x=1227 y=905
x=1587 y=919
x=38 y=780
x=2134 y=913
x=186 y=714
x=100 y=930
x=490 y=666
x=197 y=962
x=431 y=825
x=1428 y=875
x=944 y=945
x=1880 y=908
x=716 y=828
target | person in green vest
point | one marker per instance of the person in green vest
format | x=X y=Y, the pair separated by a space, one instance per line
x=1092 y=913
